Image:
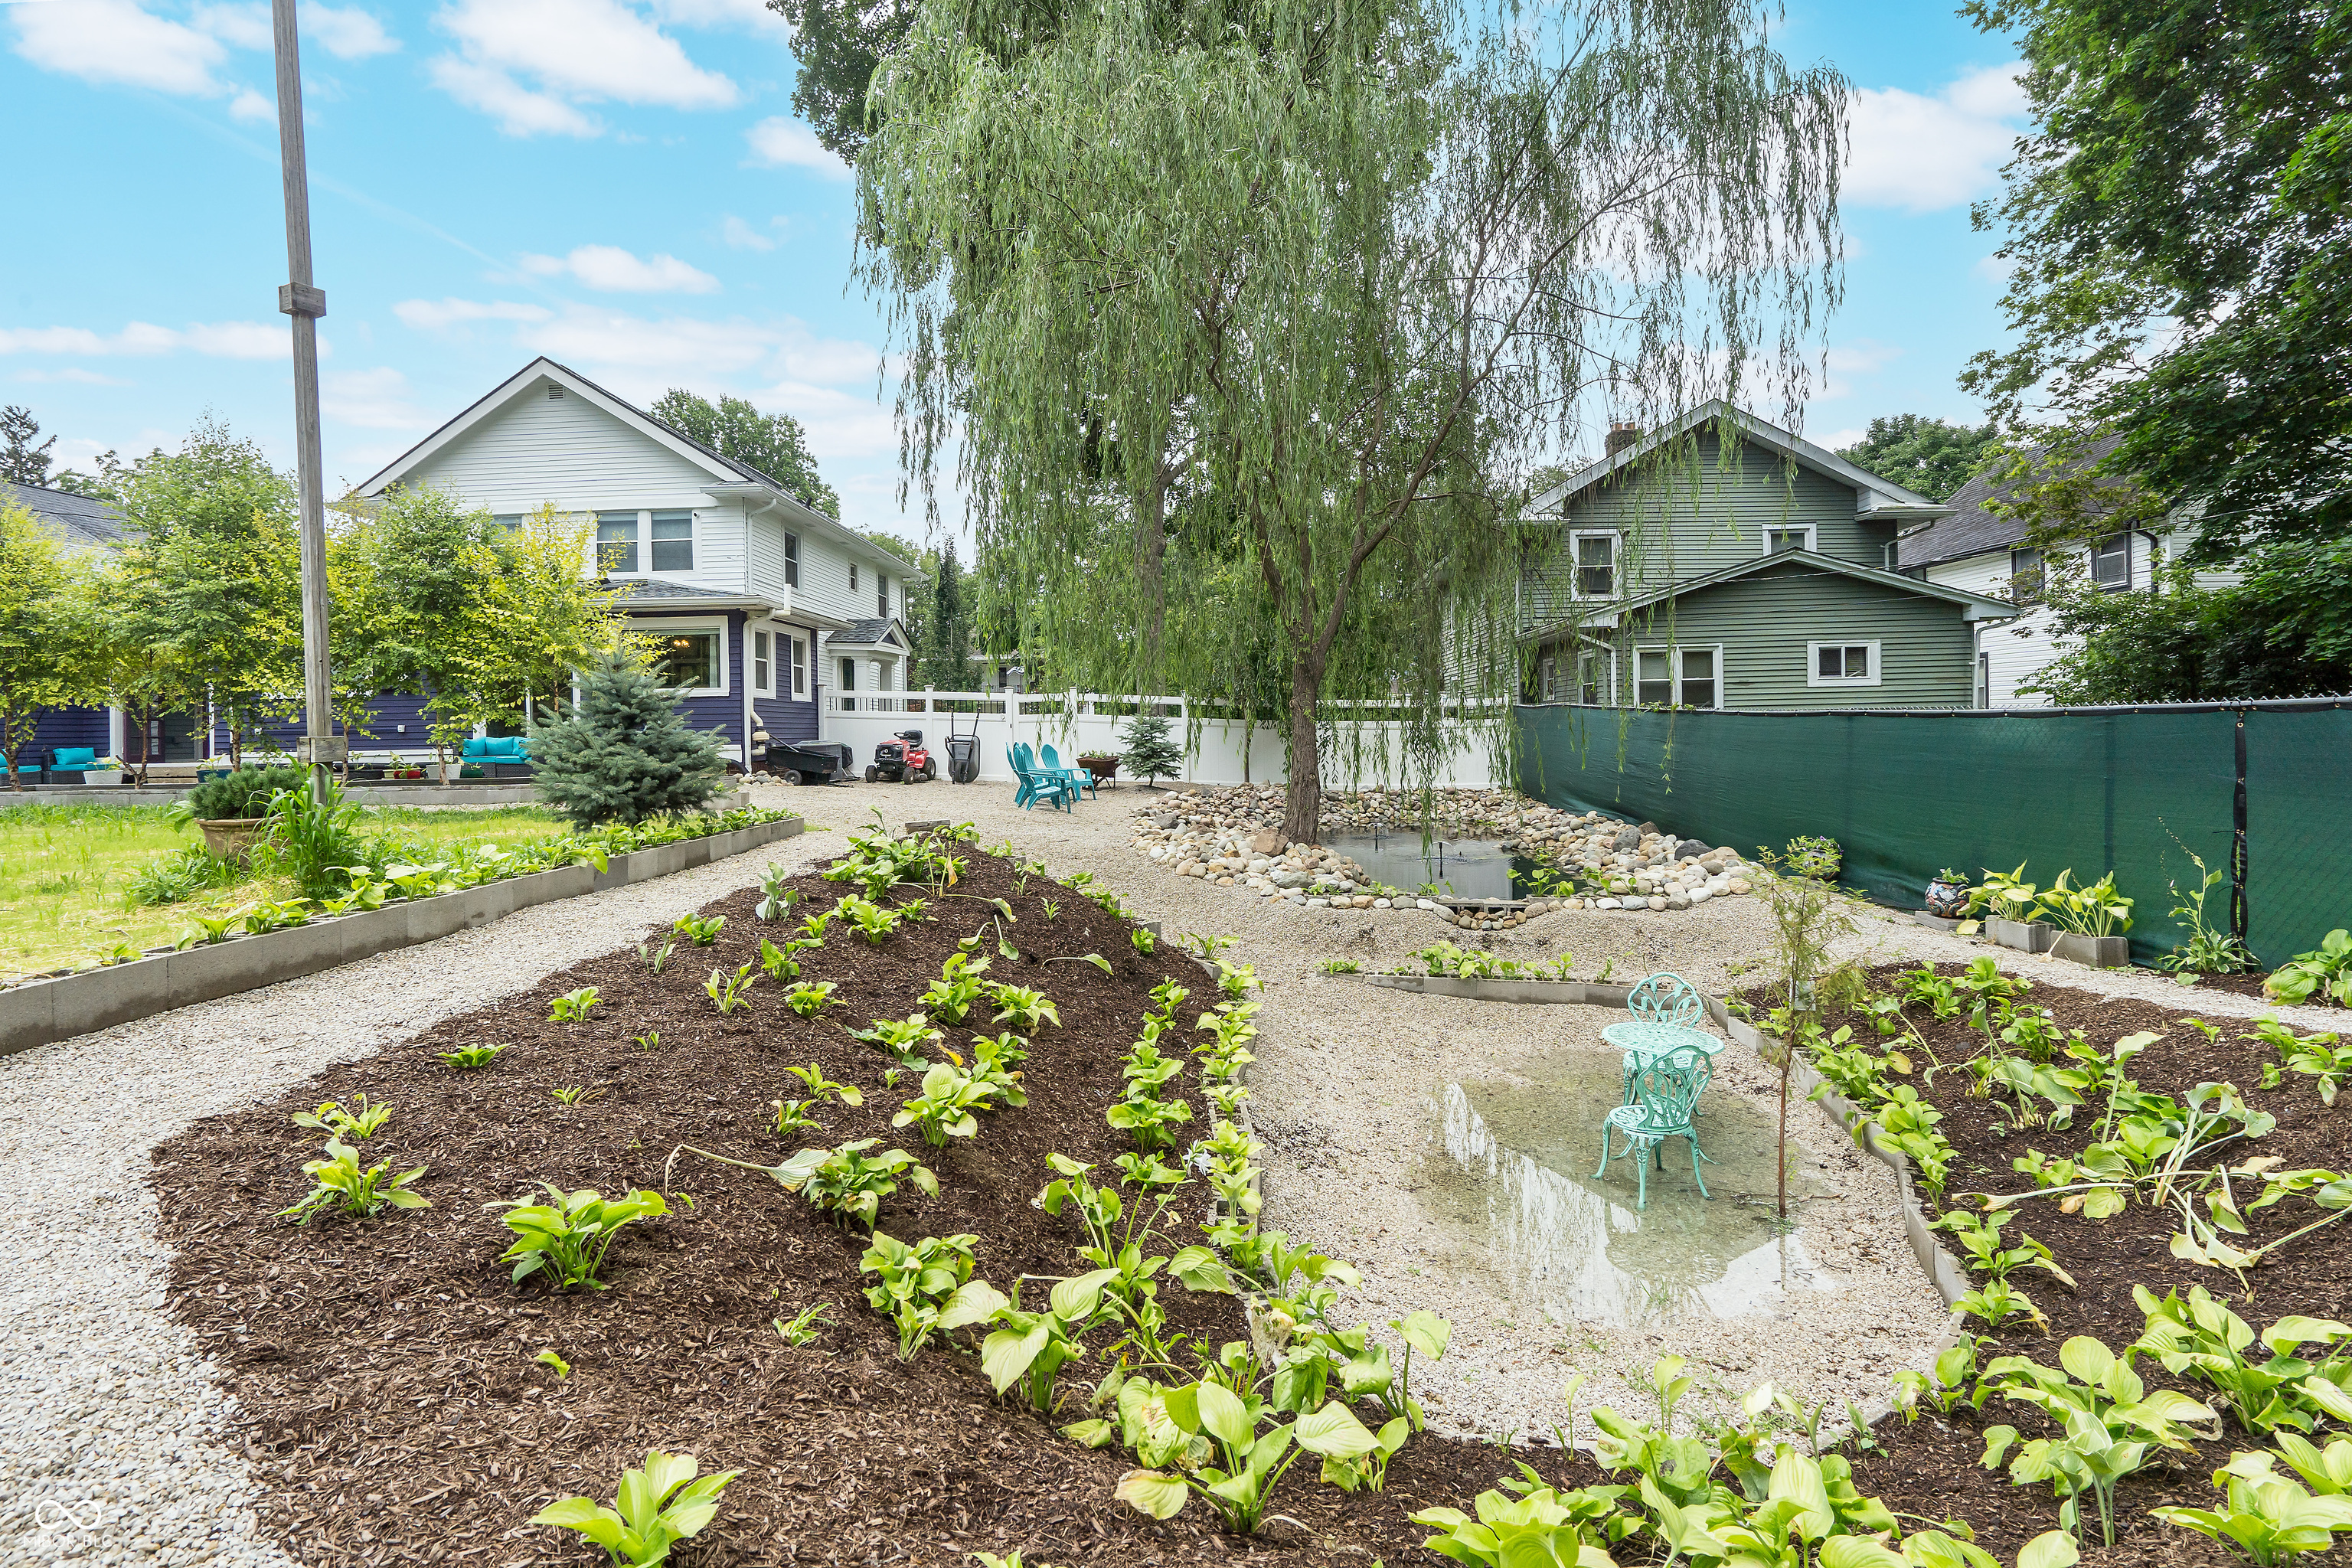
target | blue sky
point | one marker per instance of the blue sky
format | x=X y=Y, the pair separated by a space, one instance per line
x=620 y=185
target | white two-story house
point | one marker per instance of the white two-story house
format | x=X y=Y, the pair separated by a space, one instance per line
x=763 y=605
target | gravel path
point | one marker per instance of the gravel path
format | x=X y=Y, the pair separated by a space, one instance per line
x=110 y=1428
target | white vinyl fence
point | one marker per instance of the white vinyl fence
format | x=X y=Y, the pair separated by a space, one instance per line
x=1220 y=751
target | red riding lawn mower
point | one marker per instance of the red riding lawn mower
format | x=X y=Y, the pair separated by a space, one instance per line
x=902 y=760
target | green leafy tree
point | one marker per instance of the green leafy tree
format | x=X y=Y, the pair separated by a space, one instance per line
x=2284 y=629
x=536 y=616
x=1336 y=271
x=44 y=631
x=623 y=753
x=430 y=555
x=133 y=668
x=915 y=612
x=839 y=44
x=773 y=444
x=214 y=550
x=2180 y=237
x=20 y=459
x=1928 y=457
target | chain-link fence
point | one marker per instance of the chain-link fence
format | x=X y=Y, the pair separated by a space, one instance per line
x=2261 y=792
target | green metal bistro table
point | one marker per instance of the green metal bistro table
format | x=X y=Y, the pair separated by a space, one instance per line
x=1644 y=1042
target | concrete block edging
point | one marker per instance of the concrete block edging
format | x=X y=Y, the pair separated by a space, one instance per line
x=42 y=1012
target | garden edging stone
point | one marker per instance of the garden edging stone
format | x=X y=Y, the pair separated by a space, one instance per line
x=42 y=1012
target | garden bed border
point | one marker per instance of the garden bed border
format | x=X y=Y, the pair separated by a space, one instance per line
x=43 y=1012
x=1942 y=1269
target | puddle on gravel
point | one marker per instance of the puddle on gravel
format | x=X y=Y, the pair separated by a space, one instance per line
x=1508 y=1181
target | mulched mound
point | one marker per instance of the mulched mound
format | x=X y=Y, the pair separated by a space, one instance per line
x=1930 y=1466
x=385 y=1369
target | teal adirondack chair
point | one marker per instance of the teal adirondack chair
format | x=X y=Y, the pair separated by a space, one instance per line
x=1050 y=763
x=1662 y=1105
x=1035 y=784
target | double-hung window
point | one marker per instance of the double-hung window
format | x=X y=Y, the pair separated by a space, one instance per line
x=1596 y=565
x=1841 y=664
x=616 y=542
x=1596 y=678
x=800 y=670
x=849 y=669
x=761 y=669
x=791 y=561
x=1682 y=676
x=2111 y=561
x=2024 y=575
x=881 y=594
x=853 y=576
x=673 y=542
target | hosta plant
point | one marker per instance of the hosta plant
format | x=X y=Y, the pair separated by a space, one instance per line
x=1027 y=1011
x=730 y=993
x=355 y=1124
x=656 y=1508
x=1203 y=1437
x=958 y=990
x=2108 y=1422
x=346 y=1186
x=917 y=1282
x=822 y=1088
x=2322 y=1056
x=809 y=997
x=1028 y=1348
x=870 y=919
x=2325 y=970
x=2198 y=1336
x=776 y=896
x=844 y=1183
x=992 y=1063
x=701 y=930
x=2264 y=1517
x=567 y=1237
x=1152 y=1123
x=780 y=962
x=903 y=1038
x=944 y=1106
x=1545 y=1527
x=476 y=1055
x=572 y=1006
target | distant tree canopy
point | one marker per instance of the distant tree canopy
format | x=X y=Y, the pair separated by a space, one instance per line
x=774 y=443
x=1928 y=457
x=838 y=44
x=21 y=459
x=2181 y=223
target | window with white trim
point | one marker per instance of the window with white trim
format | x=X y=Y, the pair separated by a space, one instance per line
x=762 y=669
x=853 y=576
x=1547 y=677
x=2111 y=561
x=1792 y=537
x=1596 y=678
x=800 y=670
x=690 y=660
x=616 y=542
x=1596 y=564
x=791 y=561
x=1679 y=677
x=881 y=593
x=673 y=542
x=2024 y=575
x=1842 y=663
x=849 y=675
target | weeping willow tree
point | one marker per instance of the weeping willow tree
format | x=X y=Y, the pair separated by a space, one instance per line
x=1254 y=312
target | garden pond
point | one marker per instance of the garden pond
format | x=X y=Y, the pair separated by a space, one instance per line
x=1458 y=868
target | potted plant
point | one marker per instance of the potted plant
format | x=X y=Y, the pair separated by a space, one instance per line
x=1948 y=895
x=2007 y=903
x=105 y=771
x=229 y=809
x=1103 y=765
x=2090 y=920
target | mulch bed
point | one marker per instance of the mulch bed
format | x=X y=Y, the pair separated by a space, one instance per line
x=1929 y=1468
x=383 y=1370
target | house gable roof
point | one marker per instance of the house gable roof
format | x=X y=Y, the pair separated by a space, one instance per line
x=1975 y=527
x=728 y=477
x=1973 y=606
x=83 y=522
x=1881 y=500
x=877 y=631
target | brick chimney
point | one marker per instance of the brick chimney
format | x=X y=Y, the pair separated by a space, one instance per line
x=1622 y=435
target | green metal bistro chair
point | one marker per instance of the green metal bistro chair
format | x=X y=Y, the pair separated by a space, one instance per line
x=1665 y=1090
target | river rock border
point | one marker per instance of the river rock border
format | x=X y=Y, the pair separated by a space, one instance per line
x=1943 y=1271
x=42 y=1012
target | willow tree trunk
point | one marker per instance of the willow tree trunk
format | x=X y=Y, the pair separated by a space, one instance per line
x=1302 y=808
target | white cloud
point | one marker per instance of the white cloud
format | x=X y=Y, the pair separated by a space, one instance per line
x=239 y=27
x=1994 y=269
x=1837 y=440
x=742 y=236
x=574 y=51
x=249 y=105
x=117 y=41
x=220 y=340
x=720 y=12
x=73 y=374
x=780 y=143
x=617 y=271
x=371 y=399
x=347 y=32
x=1923 y=155
x=434 y=315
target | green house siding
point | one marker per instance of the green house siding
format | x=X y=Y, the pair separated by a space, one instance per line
x=1765 y=623
x=1696 y=516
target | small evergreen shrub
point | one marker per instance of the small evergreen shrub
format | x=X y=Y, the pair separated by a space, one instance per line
x=623 y=753
x=1149 y=752
x=244 y=794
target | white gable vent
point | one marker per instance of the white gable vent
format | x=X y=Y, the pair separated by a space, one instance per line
x=554 y=393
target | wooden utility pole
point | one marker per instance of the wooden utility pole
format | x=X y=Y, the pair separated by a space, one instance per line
x=306 y=302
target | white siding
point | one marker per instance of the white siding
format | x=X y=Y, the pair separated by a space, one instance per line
x=2010 y=653
x=566 y=452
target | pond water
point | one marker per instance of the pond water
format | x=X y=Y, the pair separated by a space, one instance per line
x=1463 y=867
x=1508 y=1180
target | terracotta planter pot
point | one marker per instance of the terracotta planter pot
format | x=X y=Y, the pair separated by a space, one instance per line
x=229 y=836
x=2026 y=936
x=2098 y=951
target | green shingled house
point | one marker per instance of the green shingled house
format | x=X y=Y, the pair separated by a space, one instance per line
x=1721 y=563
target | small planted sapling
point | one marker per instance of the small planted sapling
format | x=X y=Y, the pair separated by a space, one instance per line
x=799 y=1330
x=809 y=997
x=567 y=1237
x=554 y=1362
x=344 y=1186
x=576 y=1094
x=467 y=1057
x=656 y=1508
x=656 y=958
x=701 y=930
x=574 y=1006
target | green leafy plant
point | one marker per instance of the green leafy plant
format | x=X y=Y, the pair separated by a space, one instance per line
x=844 y=1183
x=1543 y=1527
x=780 y=963
x=2097 y=909
x=916 y=1283
x=574 y=1006
x=344 y=1186
x=1814 y=856
x=577 y=1094
x=2109 y=1420
x=993 y=1059
x=1029 y=1348
x=1341 y=966
x=870 y=919
x=1143 y=940
x=776 y=896
x=276 y=914
x=944 y=1107
x=468 y=1057
x=730 y=993
x=567 y=1237
x=1027 y=1011
x=654 y=1509
x=902 y=1038
x=656 y=958
x=2323 y=1057
x=2265 y=1518
x=809 y=997
x=799 y=1330
x=554 y=1362
x=1202 y=1438
x=2326 y=968
x=701 y=930
x=2197 y=1335
x=357 y=1124
x=207 y=929
x=2209 y=950
x=958 y=990
x=648 y=1043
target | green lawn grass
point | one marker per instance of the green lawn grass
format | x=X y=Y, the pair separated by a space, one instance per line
x=65 y=872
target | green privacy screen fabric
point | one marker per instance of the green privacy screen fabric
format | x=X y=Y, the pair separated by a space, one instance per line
x=1906 y=794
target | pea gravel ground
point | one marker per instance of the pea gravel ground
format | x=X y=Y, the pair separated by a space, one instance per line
x=113 y=1441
